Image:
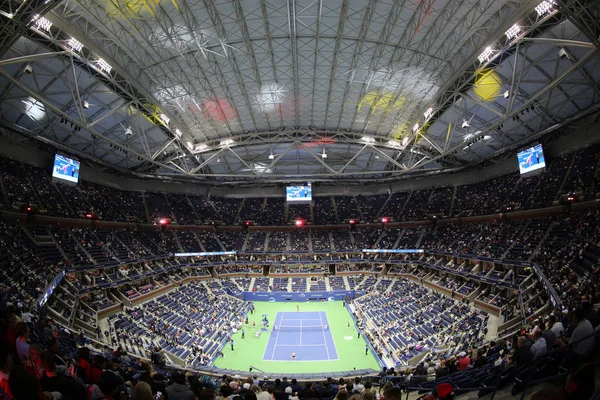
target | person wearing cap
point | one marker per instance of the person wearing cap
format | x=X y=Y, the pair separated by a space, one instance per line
x=464 y=361
x=178 y=390
x=290 y=393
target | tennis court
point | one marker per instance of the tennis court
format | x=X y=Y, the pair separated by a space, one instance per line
x=305 y=333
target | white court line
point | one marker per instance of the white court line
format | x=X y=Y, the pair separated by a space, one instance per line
x=299 y=345
x=300 y=332
x=274 y=345
x=324 y=337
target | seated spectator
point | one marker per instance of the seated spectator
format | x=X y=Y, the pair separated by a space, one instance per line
x=107 y=386
x=64 y=384
x=22 y=346
x=522 y=354
x=179 y=390
x=24 y=385
x=143 y=391
x=6 y=365
x=539 y=346
x=464 y=361
x=582 y=338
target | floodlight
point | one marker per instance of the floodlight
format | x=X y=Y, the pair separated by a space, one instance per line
x=324 y=154
x=201 y=147
x=75 y=45
x=513 y=32
x=465 y=124
x=165 y=120
x=428 y=113
x=544 y=7
x=271 y=156
x=506 y=94
x=367 y=139
x=485 y=55
x=394 y=144
x=104 y=66
x=226 y=142
x=86 y=105
x=178 y=133
x=128 y=131
x=42 y=23
x=28 y=68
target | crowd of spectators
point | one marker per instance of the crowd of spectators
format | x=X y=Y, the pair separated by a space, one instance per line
x=569 y=173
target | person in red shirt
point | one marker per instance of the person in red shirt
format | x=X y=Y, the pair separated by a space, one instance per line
x=464 y=361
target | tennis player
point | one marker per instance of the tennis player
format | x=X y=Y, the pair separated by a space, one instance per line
x=293 y=355
x=298 y=308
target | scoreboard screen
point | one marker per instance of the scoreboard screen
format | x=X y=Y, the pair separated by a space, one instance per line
x=298 y=194
x=65 y=168
x=531 y=159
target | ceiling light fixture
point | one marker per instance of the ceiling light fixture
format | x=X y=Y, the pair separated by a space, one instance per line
x=465 y=124
x=324 y=154
x=271 y=156
x=506 y=94
x=367 y=139
x=128 y=131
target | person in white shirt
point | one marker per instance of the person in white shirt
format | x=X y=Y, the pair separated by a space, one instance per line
x=555 y=326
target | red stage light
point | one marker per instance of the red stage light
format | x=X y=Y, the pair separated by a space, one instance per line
x=163 y=221
x=299 y=223
x=352 y=222
x=90 y=216
x=247 y=223
x=385 y=220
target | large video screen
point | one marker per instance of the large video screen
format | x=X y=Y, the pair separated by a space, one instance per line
x=298 y=194
x=65 y=168
x=531 y=159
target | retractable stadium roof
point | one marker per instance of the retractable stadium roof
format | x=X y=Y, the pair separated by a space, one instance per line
x=260 y=91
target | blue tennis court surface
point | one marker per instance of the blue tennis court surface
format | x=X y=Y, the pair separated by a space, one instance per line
x=305 y=333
